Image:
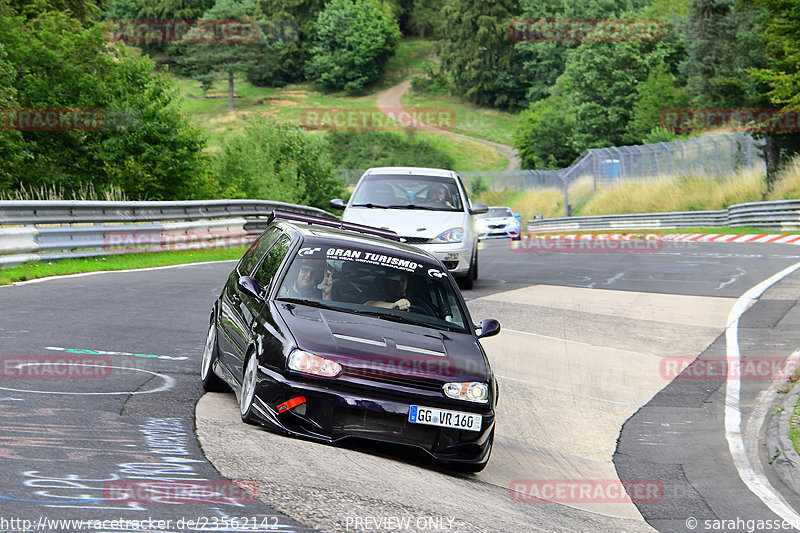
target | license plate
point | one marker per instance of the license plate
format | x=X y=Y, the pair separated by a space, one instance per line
x=444 y=418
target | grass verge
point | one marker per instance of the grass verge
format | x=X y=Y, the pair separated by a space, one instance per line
x=116 y=262
x=469 y=119
x=794 y=430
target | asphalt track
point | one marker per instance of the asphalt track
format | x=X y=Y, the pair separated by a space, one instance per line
x=585 y=397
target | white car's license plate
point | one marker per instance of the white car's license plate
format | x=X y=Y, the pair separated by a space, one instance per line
x=444 y=418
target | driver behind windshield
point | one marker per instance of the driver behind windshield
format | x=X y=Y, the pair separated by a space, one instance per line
x=439 y=196
x=310 y=279
x=394 y=292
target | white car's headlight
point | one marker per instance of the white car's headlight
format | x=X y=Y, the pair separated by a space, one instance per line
x=451 y=235
x=309 y=363
x=474 y=391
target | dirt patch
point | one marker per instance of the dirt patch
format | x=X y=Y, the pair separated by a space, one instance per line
x=218 y=95
x=297 y=93
x=278 y=103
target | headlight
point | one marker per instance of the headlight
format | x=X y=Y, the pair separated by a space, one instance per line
x=309 y=363
x=475 y=391
x=451 y=235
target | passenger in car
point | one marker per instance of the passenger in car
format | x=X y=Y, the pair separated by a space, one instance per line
x=312 y=280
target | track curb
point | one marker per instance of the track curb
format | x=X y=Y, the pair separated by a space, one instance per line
x=782 y=456
x=759 y=238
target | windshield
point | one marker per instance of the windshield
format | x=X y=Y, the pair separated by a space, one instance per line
x=392 y=286
x=497 y=212
x=408 y=192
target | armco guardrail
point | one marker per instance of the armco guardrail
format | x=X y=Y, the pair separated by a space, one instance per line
x=783 y=214
x=48 y=230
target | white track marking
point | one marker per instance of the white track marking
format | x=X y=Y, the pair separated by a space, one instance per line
x=169 y=383
x=754 y=478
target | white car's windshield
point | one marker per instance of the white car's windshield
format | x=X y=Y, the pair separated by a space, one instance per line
x=408 y=192
x=497 y=212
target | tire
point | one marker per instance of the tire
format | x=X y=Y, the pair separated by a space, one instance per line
x=472 y=468
x=247 y=394
x=467 y=281
x=211 y=381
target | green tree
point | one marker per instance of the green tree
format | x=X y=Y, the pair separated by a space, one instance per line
x=85 y=11
x=425 y=18
x=722 y=43
x=657 y=93
x=780 y=29
x=354 y=40
x=781 y=32
x=224 y=57
x=277 y=162
x=143 y=145
x=544 y=133
x=542 y=62
x=477 y=49
x=600 y=82
x=11 y=144
x=294 y=21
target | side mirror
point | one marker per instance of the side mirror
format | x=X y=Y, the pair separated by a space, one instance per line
x=517 y=215
x=479 y=209
x=250 y=286
x=489 y=327
x=337 y=204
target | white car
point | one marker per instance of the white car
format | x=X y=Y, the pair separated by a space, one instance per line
x=427 y=207
x=499 y=222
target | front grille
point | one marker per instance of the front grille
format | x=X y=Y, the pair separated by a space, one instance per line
x=497 y=226
x=415 y=240
x=349 y=421
x=382 y=376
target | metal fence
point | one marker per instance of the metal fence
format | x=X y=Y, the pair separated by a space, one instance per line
x=781 y=215
x=51 y=230
x=710 y=155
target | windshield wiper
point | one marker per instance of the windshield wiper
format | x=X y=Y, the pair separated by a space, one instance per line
x=410 y=206
x=370 y=205
x=310 y=303
x=392 y=317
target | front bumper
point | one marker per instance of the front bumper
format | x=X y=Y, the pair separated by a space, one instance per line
x=336 y=410
x=498 y=233
x=456 y=257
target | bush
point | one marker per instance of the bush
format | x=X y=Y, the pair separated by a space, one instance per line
x=277 y=162
x=355 y=39
x=432 y=82
x=359 y=149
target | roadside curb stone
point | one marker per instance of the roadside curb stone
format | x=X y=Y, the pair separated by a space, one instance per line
x=783 y=457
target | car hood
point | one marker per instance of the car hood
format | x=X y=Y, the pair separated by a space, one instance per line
x=407 y=222
x=372 y=347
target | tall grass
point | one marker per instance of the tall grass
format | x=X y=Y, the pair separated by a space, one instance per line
x=655 y=195
x=787 y=184
x=84 y=191
x=677 y=193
